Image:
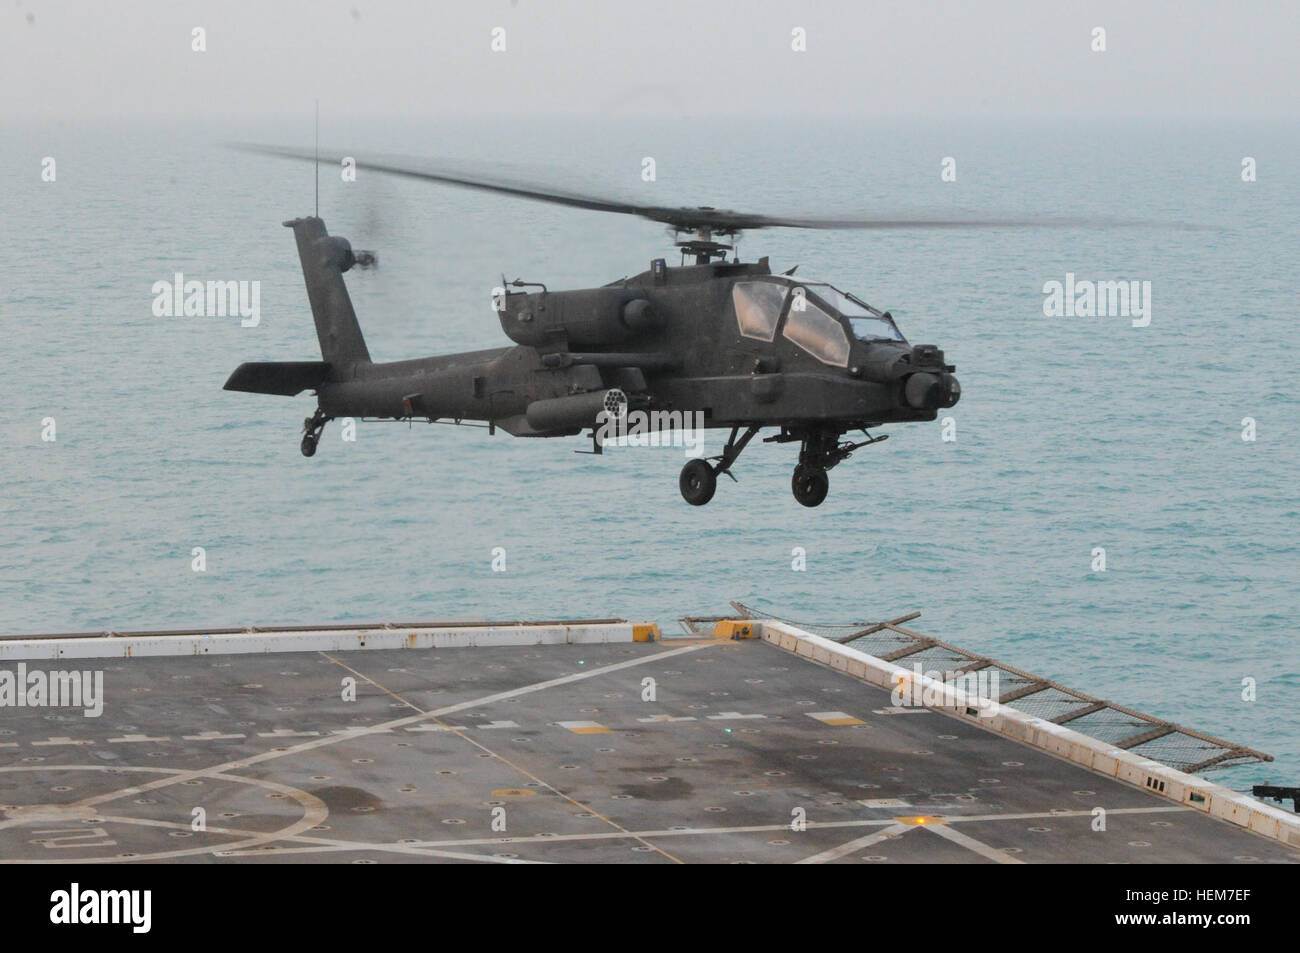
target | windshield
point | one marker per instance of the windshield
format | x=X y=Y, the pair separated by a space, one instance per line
x=817 y=332
x=758 y=308
x=867 y=324
x=875 y=329
x=838 y=300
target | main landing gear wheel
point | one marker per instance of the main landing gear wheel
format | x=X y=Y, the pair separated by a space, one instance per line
x=810 y=485
x=698 y=482
x=309 y=445
x=699 y=478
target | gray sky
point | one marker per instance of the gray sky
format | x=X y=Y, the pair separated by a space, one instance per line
x=661 y=58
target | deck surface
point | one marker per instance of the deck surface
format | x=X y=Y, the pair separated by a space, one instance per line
x=552 y=754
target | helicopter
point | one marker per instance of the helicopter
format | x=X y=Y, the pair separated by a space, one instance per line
x=739 y=347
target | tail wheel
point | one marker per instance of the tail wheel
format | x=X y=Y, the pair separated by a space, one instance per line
x=697 y=482
x=810 y=485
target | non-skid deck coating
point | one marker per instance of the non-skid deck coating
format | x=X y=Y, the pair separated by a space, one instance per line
x=560 y=745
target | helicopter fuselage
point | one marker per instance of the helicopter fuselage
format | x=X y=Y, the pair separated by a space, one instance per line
x=727 y=343
x=671 y=338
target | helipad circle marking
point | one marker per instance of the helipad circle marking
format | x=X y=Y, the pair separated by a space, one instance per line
x=314 y=811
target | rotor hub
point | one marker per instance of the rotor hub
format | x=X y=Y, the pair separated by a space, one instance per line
x=704 y=250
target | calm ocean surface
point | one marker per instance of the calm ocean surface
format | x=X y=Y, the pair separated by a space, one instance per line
x=1072 y=432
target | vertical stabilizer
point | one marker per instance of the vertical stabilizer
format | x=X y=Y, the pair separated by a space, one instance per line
x=324 y=259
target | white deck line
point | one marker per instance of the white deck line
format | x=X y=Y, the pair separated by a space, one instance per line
x=1060 y=740
x=308 y=640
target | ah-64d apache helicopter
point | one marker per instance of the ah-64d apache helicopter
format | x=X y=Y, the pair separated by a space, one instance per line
x=741 y=347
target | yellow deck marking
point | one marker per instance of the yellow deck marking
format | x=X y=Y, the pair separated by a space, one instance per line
x=584 y=727
x=835 y=718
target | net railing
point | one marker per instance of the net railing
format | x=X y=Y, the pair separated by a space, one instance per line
x=1163 y=741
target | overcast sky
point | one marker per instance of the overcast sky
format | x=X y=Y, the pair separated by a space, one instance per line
x=652 y=57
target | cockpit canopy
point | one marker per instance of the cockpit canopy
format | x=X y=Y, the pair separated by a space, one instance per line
x=818 y=317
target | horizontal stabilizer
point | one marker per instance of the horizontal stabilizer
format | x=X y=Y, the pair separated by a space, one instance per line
x=278 y=377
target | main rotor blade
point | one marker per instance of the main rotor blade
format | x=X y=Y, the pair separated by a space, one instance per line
x=723 y=221
x=411 y=168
